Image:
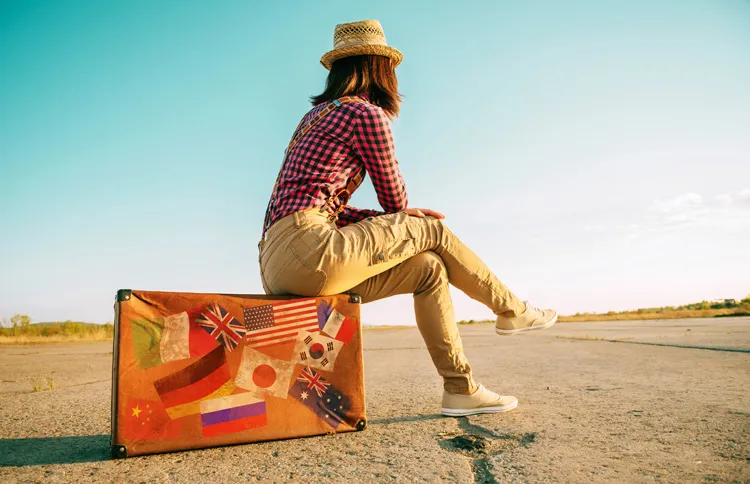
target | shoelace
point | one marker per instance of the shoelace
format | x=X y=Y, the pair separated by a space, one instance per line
x=531 y=307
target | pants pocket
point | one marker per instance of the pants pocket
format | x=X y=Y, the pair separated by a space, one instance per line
x=394 y=239
x=272 y=272
x=293 y=269
x=395 y=250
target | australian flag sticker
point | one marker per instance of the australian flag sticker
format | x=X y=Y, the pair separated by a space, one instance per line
x=320 y=396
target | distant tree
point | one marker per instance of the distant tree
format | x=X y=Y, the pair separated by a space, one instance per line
x=20 y=321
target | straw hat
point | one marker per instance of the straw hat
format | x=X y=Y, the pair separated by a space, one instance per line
x=359 y=38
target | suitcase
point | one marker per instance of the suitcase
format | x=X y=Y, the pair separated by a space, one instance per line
x=200 y=370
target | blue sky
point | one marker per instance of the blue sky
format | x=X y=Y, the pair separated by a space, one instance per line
x=595 y=154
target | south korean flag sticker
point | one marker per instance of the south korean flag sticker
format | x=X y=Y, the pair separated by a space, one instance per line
x=316 y=350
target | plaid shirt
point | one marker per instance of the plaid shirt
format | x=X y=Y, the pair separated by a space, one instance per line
x=322 y=161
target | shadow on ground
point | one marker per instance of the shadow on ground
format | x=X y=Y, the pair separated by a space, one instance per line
x=53 y=450
x=408 y=418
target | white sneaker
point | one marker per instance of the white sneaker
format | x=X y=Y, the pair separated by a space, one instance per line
x=481 y=401
x=531 y=318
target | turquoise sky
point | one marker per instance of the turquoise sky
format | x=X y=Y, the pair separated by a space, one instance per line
x=595 y=154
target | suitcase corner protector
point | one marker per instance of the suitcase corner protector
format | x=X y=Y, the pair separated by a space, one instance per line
x=355 y=298
x=119 y=451
x=361 y=424
x=123 y=295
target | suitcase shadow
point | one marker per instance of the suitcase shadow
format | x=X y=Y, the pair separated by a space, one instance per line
x=54 y=450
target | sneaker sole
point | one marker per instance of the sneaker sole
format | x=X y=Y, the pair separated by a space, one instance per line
x=510 y=332
x=462 y=412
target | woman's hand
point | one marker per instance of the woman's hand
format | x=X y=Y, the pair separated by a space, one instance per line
x=423 y=212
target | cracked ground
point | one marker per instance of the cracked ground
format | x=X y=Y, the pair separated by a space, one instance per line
x=599 y=402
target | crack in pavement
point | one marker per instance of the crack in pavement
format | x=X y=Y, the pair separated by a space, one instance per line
x=690 y=347
x=13 y=394
x=479 y=445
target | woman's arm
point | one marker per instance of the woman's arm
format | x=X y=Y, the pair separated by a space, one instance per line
x=350 y=215
x=373 y=142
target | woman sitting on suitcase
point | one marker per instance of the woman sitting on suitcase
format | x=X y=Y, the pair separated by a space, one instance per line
x=315 y=244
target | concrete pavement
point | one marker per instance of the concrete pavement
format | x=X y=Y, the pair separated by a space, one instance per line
x=644 y=401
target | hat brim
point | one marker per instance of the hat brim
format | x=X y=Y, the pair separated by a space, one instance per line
x=385 y=50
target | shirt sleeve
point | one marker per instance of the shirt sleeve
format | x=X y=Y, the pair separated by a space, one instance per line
x=373 y=142
x=350 y=215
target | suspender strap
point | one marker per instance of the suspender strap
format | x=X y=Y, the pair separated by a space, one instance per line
x=298 y=134
x=344 y=194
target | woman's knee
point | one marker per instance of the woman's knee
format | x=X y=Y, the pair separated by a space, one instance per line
x=432 y=268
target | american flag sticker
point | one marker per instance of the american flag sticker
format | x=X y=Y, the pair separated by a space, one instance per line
x=279 y=322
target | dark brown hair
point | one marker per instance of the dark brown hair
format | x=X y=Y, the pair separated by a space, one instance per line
x=370 y=75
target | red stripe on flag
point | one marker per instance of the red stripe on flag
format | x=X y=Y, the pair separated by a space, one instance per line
x=347 y=330
x=199 y=341
x=196 y=391
x=293 y=308
x=192 y=373
x=235 y=426
x=282 y=333
x=281 y=328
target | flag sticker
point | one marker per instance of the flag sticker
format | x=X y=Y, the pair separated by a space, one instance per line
x=279 y=322
x=321 y=397
x=222 y=326
x=193 y=383
x=339 y=327
x=231 y=414
x=147 y=420
x=176 y=337
x=260 y=374
x=317 y=350
x=324 y=311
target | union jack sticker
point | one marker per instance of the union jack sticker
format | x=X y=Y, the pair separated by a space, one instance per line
x=221 y=325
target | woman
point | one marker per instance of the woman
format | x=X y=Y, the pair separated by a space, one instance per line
x=315 y=244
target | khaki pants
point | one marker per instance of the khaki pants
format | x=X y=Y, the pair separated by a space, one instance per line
x=305 y=254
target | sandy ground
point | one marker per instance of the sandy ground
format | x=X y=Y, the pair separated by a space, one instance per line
x=641 y=401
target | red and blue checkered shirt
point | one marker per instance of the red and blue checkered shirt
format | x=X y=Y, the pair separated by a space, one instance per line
x=323 y=160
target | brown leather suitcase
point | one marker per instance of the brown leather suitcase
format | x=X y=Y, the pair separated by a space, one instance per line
x=202 y=370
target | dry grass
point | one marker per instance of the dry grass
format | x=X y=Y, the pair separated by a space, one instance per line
x=43 y=383
x=634 y=316
x=58 y=338
x=643 y=315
